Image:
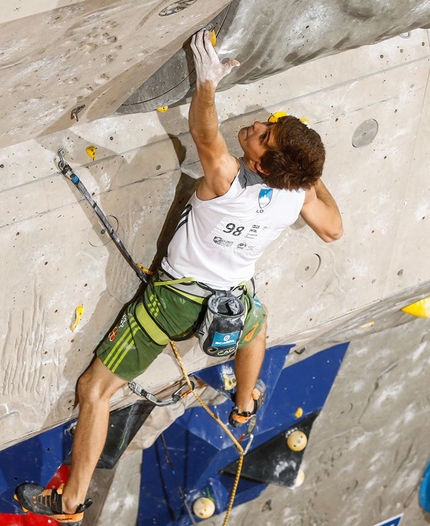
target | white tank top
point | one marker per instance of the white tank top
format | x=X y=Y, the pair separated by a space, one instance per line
x=219 y=241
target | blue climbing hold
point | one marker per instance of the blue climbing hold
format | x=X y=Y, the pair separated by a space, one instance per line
x=424 y=492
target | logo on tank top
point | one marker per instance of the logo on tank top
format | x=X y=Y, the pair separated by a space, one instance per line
x=264 y=198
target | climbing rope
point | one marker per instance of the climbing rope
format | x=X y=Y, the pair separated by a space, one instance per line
x=238 y=446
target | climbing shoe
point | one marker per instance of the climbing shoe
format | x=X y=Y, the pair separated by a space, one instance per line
x=37 y=499
x=237 y=419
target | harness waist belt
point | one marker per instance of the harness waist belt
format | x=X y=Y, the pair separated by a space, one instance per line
x=200 y=290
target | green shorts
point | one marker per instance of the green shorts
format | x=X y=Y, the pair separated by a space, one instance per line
x=146 y=326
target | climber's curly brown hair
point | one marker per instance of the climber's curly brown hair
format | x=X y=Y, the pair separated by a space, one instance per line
x=296 y=158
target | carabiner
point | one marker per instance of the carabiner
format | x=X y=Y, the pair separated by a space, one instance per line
x=248 y=433
x=176 y=396
x=62 y=162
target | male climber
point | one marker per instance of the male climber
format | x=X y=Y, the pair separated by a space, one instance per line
x=239 y=208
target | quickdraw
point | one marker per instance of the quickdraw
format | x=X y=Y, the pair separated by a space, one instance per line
x=67 y=171
x=180 y=393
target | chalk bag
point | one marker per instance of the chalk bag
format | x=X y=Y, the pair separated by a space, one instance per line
x=222 y=326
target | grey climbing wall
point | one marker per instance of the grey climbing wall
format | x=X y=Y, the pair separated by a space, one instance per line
x=55 y=257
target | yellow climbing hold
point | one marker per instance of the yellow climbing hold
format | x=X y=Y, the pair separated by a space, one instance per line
x=162 y=109
x=212 y=37
x=204 y=507
x=230 y=381
x=277 y=115
x=305 y=121
x=77 y=317
x=420 y=308
x=366 y=325
x=91 y=151
x=299 y=412
x=299 y=479
x=297 y=440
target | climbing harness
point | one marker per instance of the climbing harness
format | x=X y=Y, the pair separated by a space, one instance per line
x=209 y=337
x=220 y=331
x=67 y=171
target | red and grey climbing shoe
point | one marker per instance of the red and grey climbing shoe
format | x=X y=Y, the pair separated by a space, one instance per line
x=37 y=499
x=237 y=419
